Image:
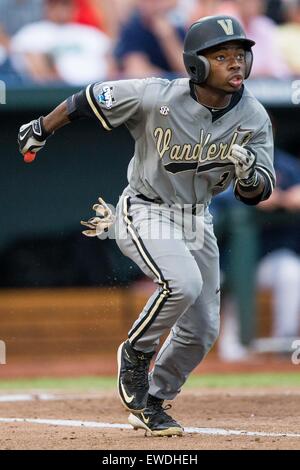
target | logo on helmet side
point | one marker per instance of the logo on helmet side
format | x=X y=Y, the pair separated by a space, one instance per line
x=227 y=25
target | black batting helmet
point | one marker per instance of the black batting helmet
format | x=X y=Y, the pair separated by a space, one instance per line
x=209 y=32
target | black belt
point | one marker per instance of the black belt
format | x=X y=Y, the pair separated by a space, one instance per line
x=145 y=198
x=159 y=201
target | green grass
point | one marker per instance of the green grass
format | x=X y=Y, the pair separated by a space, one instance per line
x=81 y=384
x=245 y=380
x=85 y=384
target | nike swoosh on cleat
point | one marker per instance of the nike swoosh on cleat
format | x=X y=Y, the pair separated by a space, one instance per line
x=127 y=398
x=146 y=420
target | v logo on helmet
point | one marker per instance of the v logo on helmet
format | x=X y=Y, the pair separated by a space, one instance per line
x=227 y=25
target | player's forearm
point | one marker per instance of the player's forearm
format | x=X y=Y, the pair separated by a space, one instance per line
x=57 y=118
x=33 y=136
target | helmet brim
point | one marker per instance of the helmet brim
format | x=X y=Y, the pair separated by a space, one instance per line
x=247 y=43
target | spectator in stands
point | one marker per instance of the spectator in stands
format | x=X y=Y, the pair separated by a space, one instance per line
x=268 y=59
x=151 y=41
x=90 y=12
x=98 y=13
x=275 y=11
x=212 y=7
x=279 y=265
x=13 y=15
x=57 y=49
x=231 y=217
x=289 y=35
x=279 y=269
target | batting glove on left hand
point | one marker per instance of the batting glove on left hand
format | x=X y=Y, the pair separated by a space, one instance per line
x=244 y=161
x=102 y=222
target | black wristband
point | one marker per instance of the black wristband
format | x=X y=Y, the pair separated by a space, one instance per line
x=39 y=130
x=252 y=180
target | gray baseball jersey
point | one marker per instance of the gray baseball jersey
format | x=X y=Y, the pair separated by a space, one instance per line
x=180 y=149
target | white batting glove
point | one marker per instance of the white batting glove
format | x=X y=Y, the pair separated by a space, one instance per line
x=244 y=161
x=102 y=222
x=32 y=136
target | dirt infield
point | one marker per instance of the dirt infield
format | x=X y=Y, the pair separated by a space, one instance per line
x=274 y=411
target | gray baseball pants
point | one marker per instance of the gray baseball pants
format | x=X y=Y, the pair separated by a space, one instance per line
x=187 y=299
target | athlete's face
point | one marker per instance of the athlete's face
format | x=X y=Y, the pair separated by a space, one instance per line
x=227 y=67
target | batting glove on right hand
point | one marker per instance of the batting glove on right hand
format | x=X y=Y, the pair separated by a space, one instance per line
x=244 y=161
x=102 y=222
x=32 y=136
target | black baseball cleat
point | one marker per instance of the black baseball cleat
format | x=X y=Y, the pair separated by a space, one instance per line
x=155 y=420
x=133 y=384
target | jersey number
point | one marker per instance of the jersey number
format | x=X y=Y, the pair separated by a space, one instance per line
x=223 y=179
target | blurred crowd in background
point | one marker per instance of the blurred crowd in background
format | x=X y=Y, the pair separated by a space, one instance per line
x=80 y=41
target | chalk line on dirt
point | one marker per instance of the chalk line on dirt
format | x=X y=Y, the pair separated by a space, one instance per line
x=99 y=425
x=26 y=397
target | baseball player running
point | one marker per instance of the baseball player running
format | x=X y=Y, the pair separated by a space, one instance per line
x=193 y=137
